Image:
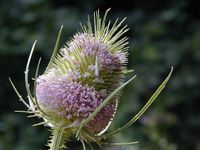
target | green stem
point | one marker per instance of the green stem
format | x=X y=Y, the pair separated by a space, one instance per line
x=59 y=136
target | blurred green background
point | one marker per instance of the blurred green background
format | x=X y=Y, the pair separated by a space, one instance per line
x=162 y=34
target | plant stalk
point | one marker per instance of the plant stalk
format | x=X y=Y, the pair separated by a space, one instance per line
x=59 y=136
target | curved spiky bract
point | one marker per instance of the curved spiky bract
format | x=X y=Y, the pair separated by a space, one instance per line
x=78 y=93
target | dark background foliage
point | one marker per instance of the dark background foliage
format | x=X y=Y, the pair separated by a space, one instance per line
x=162 y=34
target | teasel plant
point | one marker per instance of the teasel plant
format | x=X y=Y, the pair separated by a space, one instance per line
x=78 y=93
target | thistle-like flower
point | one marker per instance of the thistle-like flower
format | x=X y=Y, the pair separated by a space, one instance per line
x=78 y=93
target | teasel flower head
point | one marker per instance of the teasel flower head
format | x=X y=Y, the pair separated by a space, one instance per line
x=84 y=72
x=78 y=94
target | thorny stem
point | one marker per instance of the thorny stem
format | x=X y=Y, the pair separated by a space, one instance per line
x=58 y=137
